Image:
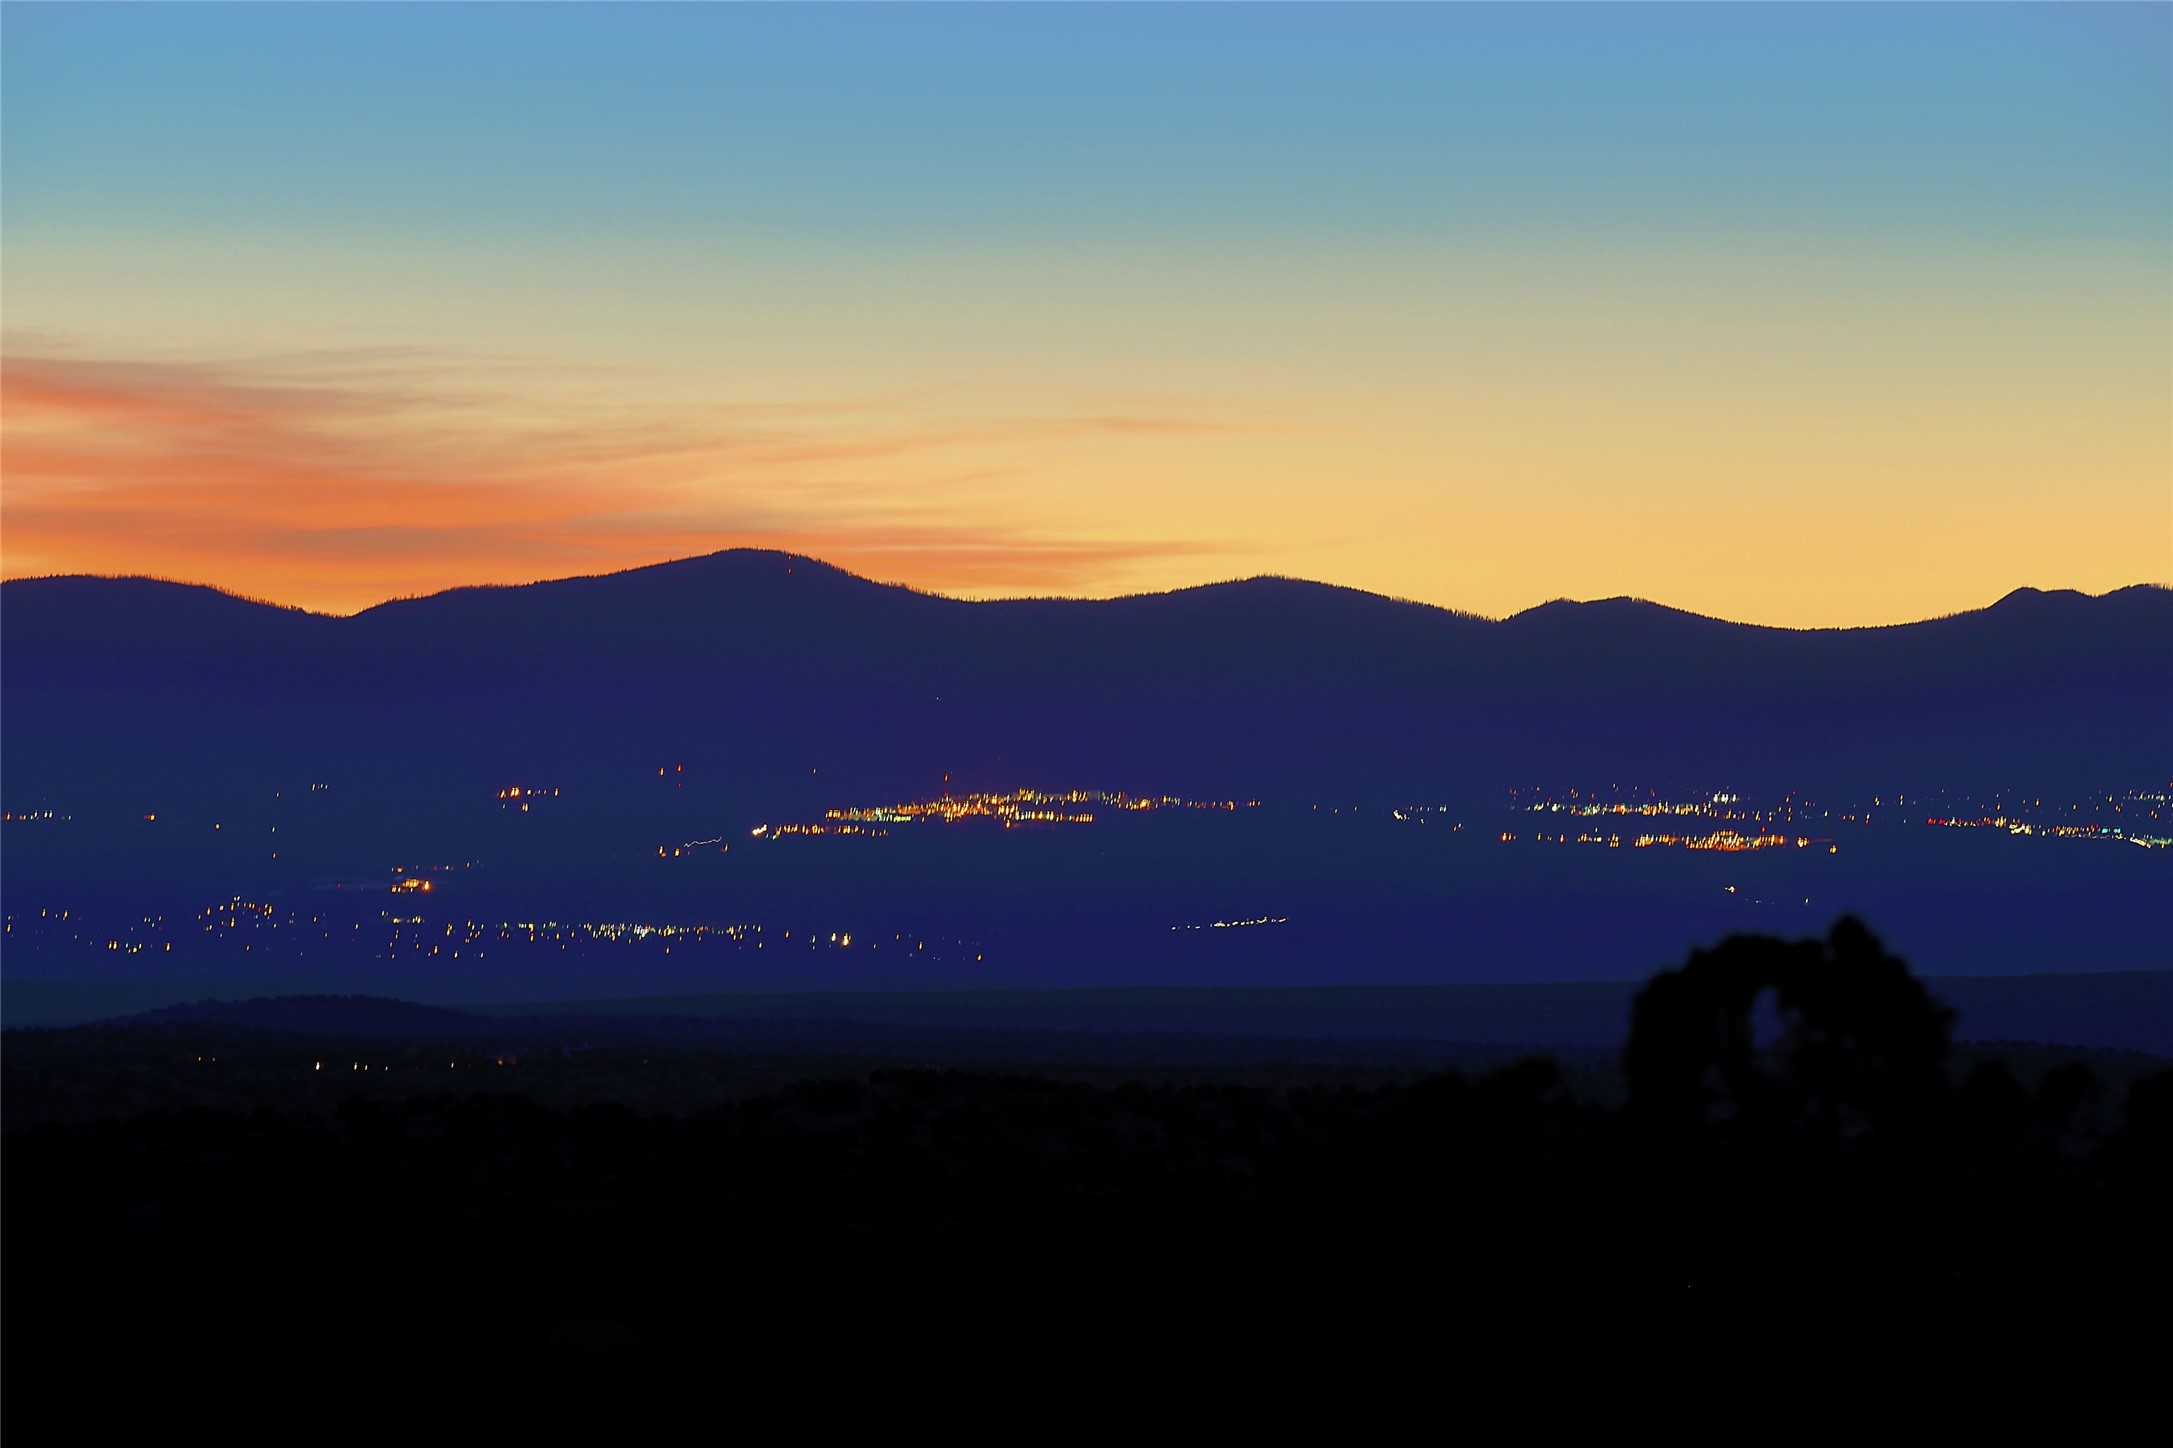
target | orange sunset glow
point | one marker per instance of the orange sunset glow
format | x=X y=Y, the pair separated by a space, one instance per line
x=1763 y=373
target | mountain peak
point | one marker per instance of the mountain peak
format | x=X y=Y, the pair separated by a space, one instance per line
x=1615 y=611
x=724 y=575
x=2027 y=597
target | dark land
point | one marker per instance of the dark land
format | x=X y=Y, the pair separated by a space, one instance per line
x=1786 y=1155
x=1357 y=775
x=774 y=687
x=615 y=983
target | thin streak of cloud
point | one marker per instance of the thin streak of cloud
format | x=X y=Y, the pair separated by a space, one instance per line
x=334 y=478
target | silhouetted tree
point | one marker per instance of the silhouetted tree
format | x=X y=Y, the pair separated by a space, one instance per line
x=1855 y=1040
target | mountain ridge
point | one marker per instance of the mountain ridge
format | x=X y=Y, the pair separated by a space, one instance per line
x=678 y=569
x=767 y=687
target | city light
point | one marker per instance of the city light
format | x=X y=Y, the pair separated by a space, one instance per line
x=1011 y=810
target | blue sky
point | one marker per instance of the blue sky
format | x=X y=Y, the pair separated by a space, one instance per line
x=1197 y=120
x=1148 y=294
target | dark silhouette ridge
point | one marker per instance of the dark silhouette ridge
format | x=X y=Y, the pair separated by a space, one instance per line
x=2123 y=1011
x=147 y=583
x=716 y=579
x=326 y=1015
x=1853 y=1200
x=1623 y=610
x=756 y=668
x=761 y=565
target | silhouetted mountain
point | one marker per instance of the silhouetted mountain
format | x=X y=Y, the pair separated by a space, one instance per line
x=766 y=683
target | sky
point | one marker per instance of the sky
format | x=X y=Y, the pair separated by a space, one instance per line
x=1800 y=315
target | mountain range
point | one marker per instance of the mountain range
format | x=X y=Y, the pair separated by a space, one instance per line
x=759 y=682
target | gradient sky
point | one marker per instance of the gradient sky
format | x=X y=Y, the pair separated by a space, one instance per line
x=1798 y=315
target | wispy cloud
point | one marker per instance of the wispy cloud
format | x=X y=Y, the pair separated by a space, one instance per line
x=337 y=478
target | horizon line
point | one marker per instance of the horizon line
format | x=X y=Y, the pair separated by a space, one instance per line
x=920 y=591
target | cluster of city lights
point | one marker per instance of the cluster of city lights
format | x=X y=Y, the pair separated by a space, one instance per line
x=258 y=927
x=1728 y=841
x=2139 y=816
x=1724 y=805
x=1012 y=809
x=2149 y=841
x=1724 y=841
x=778 y=832
x=1706 y=808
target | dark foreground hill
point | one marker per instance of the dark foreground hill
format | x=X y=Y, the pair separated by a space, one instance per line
x=758 y=682
x=319 y=1015
x=312 y=1054
x=2113 y=1010
x=1802 y=1195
